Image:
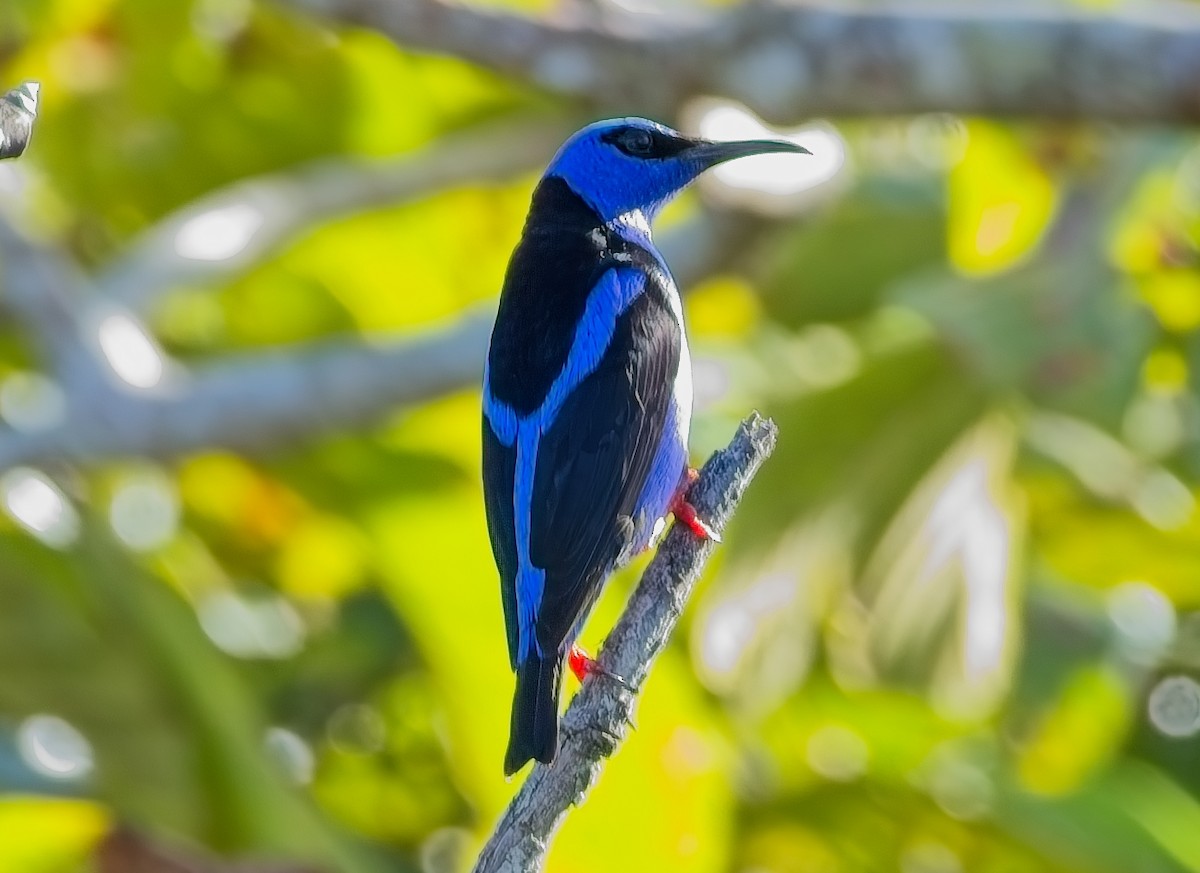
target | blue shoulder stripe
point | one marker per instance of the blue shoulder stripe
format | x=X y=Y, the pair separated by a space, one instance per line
x=499 y=414
x=613 y=294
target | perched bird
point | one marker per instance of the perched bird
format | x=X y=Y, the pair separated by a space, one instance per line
x=587 y=398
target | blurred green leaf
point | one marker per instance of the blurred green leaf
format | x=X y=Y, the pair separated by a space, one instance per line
x=1061 y=333
x=864 y=443
x=178 y=742
x=839 y=266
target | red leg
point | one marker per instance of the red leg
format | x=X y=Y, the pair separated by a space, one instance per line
x=685 y=513
x=582 y=666
x=579 y=662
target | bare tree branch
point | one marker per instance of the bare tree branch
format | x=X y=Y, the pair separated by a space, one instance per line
x=790 y=61
x=597 y=719
x=18 y=111
x=231 y=230
x=246 y=403
x=37 y=287
x=261 y=400
x=258 y=401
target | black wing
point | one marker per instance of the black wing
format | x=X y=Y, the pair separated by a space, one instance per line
x=594 y=460
x=499 y=470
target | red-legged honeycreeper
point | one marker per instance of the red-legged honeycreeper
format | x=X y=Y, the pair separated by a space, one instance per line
x=587 y=397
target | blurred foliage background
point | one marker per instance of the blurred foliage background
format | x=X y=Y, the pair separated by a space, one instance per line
x=956 y=626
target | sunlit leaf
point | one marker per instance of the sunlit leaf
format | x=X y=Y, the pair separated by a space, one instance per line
x=49 y=835
x=1078 y=735
x=1000 y=200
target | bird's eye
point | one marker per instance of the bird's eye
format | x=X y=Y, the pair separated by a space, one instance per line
x=637 y=142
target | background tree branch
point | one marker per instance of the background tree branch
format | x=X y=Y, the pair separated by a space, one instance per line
x=259 y=401
x=45 y=292
x=597 y=720
x=256 y=401
x=270 y=211
x=789 y=61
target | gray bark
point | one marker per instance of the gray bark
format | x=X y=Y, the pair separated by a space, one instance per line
x=790 y=61
x=598 y=718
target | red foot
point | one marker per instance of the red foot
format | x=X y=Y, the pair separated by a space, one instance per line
x=580 y=663
x=685 y=513
x=582 y=666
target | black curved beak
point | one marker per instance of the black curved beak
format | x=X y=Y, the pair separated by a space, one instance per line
x=712 y=153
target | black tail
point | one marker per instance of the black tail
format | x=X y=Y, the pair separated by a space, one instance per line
x=534 y=732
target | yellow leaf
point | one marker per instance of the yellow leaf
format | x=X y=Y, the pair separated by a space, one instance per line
x=1081 y=733
x=1165 y=371
x=1174 y=295
x=45 y=835
x=1137 y=241
x=1000 y=201
x=217 y=486
x=323 y=556
x=724 y=307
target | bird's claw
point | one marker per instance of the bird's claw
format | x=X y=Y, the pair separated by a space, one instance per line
x=686 y=514
x=582 y=665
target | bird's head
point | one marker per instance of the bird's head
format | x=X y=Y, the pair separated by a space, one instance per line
x=633 y=166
